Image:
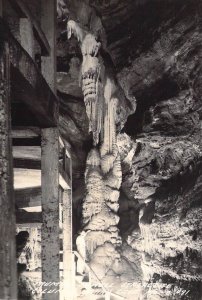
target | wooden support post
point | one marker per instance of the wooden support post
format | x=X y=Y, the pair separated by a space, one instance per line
x=68 y=274
x=48 y=25
x=8 y=273
x=27 y=36
x=50 y=212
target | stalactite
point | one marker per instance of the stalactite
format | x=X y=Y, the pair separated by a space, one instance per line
x=73 y=29
x=90 y=77
x=109 y=148
x=114 y=177
x=90 y=87
x=110 y=116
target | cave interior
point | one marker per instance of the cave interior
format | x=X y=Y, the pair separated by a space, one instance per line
x=101 y=149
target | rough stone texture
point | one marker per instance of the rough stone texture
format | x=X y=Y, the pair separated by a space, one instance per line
x=50 y=242
x=154 y=49
x=8 y=272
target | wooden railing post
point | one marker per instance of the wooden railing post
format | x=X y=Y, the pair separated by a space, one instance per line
x=50 y=212
x=8 y=273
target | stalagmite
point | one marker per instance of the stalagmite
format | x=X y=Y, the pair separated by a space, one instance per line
x=95 y=239
x=93 y=158
x=103 y=220
x=90 y=46
x=112 y=180
x=94 y=185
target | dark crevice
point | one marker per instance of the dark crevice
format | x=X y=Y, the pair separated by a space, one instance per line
x=162 y=90
x=180 y=183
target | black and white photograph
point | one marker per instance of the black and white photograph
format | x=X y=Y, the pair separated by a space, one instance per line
x=100 y=149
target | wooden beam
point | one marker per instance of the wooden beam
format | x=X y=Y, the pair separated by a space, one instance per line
x=24 y=178
x=31 y=197
x=23 y=11
x=28 y=85
x=48 y=24
x=8 y=274
x=26 y=137
x=25 y=133
x=28 y=197
x=38 y=99
x=64 y=179
x=68 y=258
x=27 y=36
x=24 y=217
x=27 y=157
x=27 y=142
x=50 y=210
x=31 y=164
x=29 y=152
x=22 y=163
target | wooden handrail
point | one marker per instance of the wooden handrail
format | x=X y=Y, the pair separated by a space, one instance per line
x=24 y=12
x=91 y=271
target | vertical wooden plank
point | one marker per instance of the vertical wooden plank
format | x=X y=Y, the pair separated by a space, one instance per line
x=27 y=36
x=48 y=25
x=50 y=212
x=67 y=246
x=8 y=273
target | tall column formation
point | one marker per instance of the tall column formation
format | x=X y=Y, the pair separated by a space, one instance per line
x=103 y=174
x=8 y=272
